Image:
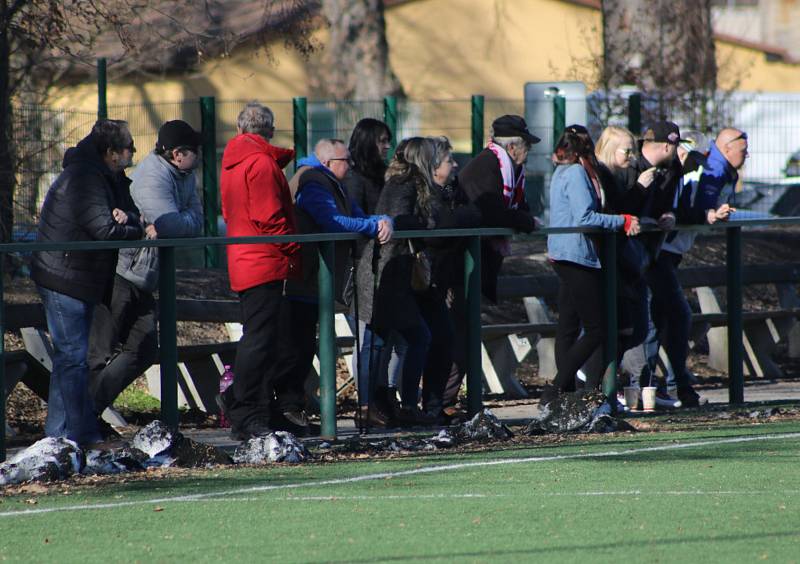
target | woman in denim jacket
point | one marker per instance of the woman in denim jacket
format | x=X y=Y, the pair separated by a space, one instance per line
x=577 y=199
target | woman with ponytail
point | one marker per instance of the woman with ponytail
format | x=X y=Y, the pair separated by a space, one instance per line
x=577 y=199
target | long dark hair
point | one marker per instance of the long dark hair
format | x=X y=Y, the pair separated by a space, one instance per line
x=363 y=149
x=574 y=145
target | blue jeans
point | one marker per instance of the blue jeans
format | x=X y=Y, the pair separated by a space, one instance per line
x=70 y=412
x=386 y=359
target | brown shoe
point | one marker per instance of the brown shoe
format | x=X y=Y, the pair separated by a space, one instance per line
x=369 y=417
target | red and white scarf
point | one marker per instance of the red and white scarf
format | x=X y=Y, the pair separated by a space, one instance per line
x=513 y=188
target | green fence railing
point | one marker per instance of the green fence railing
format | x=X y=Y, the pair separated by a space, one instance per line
x=327 y=346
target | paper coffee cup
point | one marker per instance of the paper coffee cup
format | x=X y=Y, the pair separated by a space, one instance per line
x=649 y=398
x=632 y=394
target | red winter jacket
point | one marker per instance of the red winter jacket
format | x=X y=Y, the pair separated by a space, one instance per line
x=256 y=201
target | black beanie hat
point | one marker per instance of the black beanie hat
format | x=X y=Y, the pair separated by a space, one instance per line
x=175 y=134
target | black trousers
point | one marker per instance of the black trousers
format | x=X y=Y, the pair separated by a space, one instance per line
x=252 y=392
x=458 y=368
x=435 y=375
x=298 y=345
x=580 y=305
x=123 y=342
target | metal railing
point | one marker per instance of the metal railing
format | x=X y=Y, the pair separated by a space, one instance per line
x=327 y=337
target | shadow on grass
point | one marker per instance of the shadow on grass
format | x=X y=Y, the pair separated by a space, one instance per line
x=556 y=551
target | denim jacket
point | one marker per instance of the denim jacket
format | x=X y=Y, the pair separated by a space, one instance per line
x=574 y=203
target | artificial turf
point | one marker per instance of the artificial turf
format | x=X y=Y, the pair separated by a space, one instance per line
x=651 y=501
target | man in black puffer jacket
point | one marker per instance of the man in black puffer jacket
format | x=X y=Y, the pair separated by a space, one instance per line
x=89 y=201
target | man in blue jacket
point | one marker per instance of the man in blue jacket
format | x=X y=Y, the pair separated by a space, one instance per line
x=702 y=197
x=322 y=205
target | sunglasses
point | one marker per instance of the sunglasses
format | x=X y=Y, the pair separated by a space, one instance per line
x=348 y=160
x=742 y=135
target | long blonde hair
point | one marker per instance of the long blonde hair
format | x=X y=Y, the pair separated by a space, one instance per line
x=609 y=142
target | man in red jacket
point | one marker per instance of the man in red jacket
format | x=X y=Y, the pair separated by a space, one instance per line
x=256 y=201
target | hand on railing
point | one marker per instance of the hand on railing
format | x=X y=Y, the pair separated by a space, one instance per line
x=666 y=221
x=385 y=231
x=150 y=232
x=722 y=213
x=631 y=227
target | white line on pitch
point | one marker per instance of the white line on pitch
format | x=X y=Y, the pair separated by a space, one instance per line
x=401 y=473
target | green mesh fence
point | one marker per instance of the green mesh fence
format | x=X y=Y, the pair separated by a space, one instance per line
x=771 y=179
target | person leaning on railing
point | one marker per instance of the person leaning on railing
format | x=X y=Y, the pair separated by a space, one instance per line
x=576 y=199
x=369 y=147
x=123 y=341
x=494 y=182
x=616 y=152
x=89 y=201
x=386 y=297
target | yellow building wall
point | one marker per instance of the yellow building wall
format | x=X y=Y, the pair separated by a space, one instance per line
x=440 y=49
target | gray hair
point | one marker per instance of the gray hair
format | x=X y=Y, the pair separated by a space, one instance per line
x=506 y=142
x=325 y=148
x=443 y=149
x=256 y=118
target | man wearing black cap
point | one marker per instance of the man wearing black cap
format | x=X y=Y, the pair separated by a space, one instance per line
x=123 y=341
x=650 y=186
x=494 y=181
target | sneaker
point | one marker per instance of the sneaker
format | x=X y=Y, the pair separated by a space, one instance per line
x=690 y=398
x=666 y=401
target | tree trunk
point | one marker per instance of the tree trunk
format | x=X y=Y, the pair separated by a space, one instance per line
x=356 y=59
x=7 y=161
x=665 y=48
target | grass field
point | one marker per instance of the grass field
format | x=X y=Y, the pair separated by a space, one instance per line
x=723 y=495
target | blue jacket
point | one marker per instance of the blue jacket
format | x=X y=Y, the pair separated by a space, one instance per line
x=705 y=188
x=319 y=203
x=574 y=203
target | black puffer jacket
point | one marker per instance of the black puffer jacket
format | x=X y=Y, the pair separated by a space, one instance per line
x=78 y=207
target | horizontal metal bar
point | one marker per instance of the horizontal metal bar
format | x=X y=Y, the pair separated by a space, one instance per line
x=320 y=237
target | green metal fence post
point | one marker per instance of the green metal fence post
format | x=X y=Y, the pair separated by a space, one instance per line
x=635 y=113
x=559 y=117
x=390 y=119
x=208 y=124
x=300 y=123
x=477 y=123
x=472 y=285
x=102 y=86
x=167 y=336
x=610 y=290
x=734 y=289
x=327 y=340
x=2 y=362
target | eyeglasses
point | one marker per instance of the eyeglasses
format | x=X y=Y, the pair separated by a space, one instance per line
x=742 y=135
x=627 y=152
x=348 y=160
